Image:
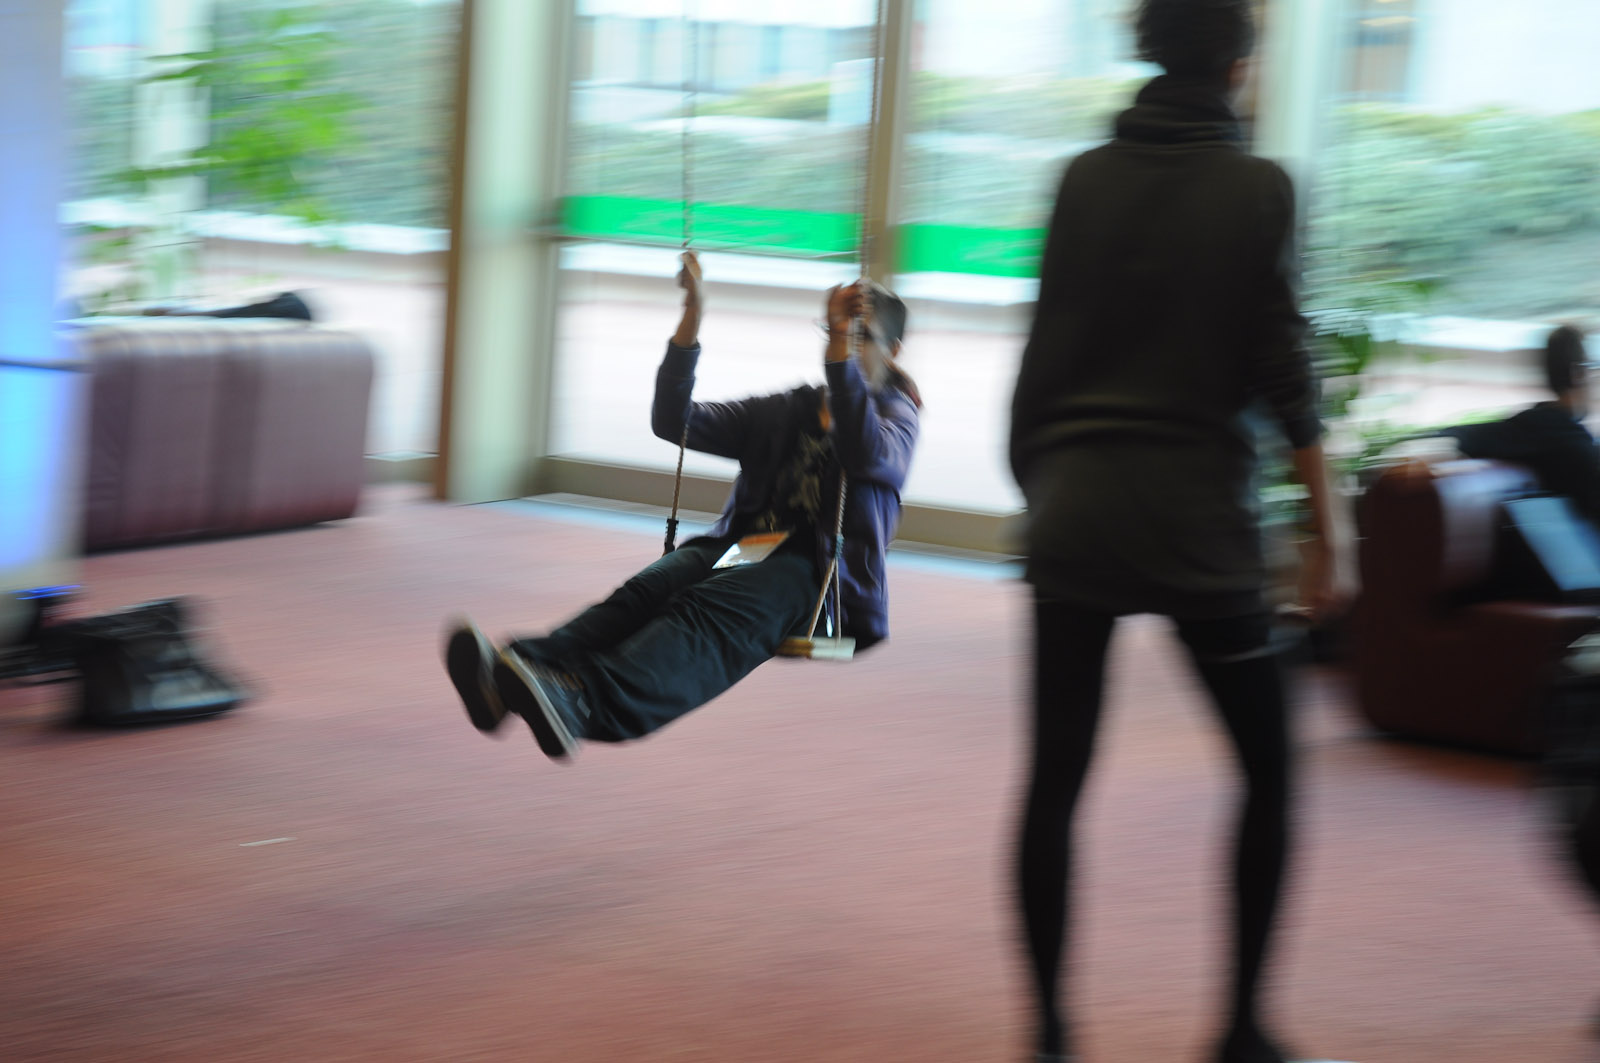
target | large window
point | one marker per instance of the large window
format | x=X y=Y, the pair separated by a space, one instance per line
x=1453 y=203
x=996 y=107
x=760 y=122
x=292 y=146
x=105 y=47
x=1381 y=40
x=776 y=146
x=760 y=125
x=1459 y=195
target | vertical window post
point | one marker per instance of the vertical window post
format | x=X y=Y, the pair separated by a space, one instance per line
x=1295 y=78
x=888 y=139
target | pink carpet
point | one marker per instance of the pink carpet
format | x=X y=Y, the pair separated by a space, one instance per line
x=813 y=868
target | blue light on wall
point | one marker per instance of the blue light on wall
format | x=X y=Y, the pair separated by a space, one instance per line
x=40 y=407
x=37 y=409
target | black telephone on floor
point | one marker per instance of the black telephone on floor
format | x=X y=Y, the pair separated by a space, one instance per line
x=134 y=666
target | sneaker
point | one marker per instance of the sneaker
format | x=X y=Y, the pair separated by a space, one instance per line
x=469 y=659
x=550 y=700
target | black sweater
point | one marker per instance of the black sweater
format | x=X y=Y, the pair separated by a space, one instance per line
x=1548 y=440
x=1166 y=309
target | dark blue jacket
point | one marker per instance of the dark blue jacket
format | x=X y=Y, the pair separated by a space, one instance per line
x=1551 y=442
x=874 y=432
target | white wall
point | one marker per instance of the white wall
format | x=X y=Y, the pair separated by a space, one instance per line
x=1073 y=38
x=40 y=414
x=1538 y=55
x=1057 y=37
x=758 y=12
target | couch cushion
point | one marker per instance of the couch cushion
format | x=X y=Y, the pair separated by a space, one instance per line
x=296 y=428
x=154 y=422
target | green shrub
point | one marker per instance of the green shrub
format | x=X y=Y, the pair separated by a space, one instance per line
x=803 y=101
x=1403 y=196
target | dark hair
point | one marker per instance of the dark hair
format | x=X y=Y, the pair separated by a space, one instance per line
x=1564 y=358
x=1196 y=38
x=889 y=314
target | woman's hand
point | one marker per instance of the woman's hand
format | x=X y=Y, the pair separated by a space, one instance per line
x=1316 y=598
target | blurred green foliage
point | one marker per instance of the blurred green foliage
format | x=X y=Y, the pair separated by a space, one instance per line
x=1491 y=213
x=278 y=115
x=1029 y=107
x=322 y=112
x=816 y=170
x=1404 y=199
x=802 y=101
x=100 y=129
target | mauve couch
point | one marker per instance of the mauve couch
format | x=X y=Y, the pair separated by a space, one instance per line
x=202 y=427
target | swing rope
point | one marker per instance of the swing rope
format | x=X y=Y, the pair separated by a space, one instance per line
x=691 y=89
x=830 y=581
x=691 y=92
x=677 y=489
x=865 y=241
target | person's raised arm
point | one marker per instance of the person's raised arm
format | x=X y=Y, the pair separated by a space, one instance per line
x=711 y=427
x=688 y=333
x=844 y=304
x=875 y=431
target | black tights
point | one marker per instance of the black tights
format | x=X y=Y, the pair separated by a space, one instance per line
x=1586 y=844
x=1233 y=658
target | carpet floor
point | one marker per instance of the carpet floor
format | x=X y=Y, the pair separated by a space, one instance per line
x=813 y=868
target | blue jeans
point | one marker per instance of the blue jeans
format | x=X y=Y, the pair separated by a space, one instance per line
x=678 y=634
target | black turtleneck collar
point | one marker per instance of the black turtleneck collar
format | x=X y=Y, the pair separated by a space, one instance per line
x=1179 y=110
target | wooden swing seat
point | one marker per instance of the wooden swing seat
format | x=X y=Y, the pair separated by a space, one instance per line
x=818 y=649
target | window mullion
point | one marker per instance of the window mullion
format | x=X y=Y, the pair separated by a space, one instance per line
x=887 y=140
x=1295 y=83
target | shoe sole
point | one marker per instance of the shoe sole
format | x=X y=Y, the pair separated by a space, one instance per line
x=522 y=694
x=468 y=658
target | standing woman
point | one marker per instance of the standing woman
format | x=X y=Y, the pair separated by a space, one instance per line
x=1166 y=308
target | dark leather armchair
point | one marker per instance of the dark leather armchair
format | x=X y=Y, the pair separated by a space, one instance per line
x=1438 y=656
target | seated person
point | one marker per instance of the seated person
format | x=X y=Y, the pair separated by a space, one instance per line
x=681 y=632
x=1548 y=437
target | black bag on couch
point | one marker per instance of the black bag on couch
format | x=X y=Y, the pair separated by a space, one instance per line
x=140 y=665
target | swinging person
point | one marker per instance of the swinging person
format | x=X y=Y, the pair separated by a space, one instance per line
x=685 y=628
